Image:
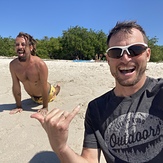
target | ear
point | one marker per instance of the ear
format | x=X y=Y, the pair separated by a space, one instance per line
x=148 y=54
x=31 y=47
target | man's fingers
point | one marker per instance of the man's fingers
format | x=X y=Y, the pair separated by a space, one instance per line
x=38 y=116
x=56 y=113
x=72 y=114
x=17 y=110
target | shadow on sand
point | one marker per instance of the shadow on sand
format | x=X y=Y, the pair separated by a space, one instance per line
x=45 y=157
x=27 y=105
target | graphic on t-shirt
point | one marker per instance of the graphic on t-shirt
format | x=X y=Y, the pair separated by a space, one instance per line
x=135 y=137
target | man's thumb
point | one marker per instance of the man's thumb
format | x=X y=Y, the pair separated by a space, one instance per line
x=38 y=116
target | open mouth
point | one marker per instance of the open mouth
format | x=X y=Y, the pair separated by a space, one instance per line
x=20 y=52
x=126 y=70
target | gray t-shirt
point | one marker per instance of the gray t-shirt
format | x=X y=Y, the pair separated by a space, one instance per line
x=128 y=129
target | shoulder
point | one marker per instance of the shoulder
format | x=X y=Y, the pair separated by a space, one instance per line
x=101 y=100
x=14 y=63
x=153 y=86
x=40 y=64
x=38 y=61
x=98 y=108
x=152 y=82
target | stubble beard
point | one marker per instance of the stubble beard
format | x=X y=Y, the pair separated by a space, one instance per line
x=22 y=59
x=128 y=83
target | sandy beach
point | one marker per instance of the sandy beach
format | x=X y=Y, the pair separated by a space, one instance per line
x=22 y=139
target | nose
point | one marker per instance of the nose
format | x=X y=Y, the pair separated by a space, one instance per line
x=20 y=46
x=125 y=56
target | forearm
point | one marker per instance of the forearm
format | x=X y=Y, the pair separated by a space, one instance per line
x=45 y=101
x=17 y=96
x=45 y=97
x=56 y=126
x=69 y=156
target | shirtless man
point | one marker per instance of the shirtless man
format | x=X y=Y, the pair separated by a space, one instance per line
x=32 y=72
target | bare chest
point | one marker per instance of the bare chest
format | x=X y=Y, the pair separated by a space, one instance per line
x=28 y=75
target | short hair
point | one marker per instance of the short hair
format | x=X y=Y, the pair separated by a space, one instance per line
x=30 y=40
x=126 y=27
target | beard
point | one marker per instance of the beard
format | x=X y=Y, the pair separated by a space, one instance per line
x=130 y=82
x=22 y=58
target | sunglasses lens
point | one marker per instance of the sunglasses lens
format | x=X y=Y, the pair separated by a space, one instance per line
x=115 y=53
x=135 y=50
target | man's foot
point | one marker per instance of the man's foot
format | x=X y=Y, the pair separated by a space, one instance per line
x=57 y=89
x=17 y=110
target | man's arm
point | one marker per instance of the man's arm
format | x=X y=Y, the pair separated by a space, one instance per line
x=43 y=73
x=56 y=124
x=16 y=89
x=88 y=155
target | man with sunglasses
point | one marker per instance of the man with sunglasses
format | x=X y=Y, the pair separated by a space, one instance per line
x=126 y=123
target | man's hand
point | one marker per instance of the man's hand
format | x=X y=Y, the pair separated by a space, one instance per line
x=43 y=111
x=56 y=124
x=16 y=110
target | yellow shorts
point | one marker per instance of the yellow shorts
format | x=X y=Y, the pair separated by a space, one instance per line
x=51 y=96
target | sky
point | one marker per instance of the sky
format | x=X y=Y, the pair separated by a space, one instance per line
x=50 y=18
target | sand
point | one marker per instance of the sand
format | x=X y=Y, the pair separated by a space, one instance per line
x=22 y=139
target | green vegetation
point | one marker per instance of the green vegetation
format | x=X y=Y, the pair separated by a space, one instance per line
x=76 y=42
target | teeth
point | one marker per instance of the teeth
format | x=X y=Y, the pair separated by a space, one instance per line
x=125 y=68
x=20 y=51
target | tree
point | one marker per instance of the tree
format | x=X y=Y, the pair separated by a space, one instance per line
x=7 y=46
x=78 y=41
x=156 y=51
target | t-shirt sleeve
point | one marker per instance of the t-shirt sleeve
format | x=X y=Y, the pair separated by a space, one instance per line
x=90 y=140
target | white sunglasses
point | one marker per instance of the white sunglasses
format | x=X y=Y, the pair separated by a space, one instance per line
x=132 y=50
